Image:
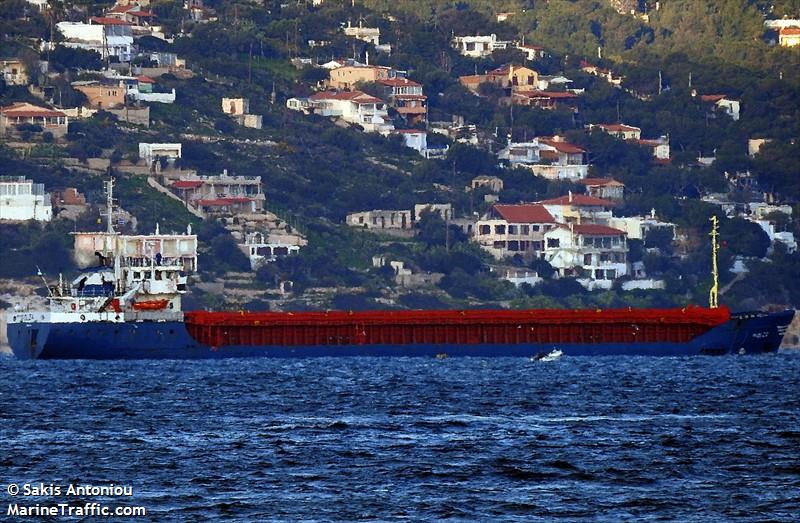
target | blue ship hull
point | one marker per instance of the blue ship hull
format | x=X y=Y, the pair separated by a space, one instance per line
x=743 y=334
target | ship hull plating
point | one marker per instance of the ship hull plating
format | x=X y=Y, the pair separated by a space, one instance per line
x=742 y=334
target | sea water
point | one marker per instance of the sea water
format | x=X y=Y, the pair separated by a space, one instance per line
x=594 y=439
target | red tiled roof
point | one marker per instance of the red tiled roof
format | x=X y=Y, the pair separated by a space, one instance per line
x=187 y=184
x=145 y=79
x=219 y=202
x=712 y=97
x=398 y=82
x=533 y=47
x=411 y=97
x=599 y=182
x=790 y=31
x=354 y=96
x=650 y=143
x=26 y=110
x=578 y=200
x=562 y=147
x=524 y=213
x=596 y=230
x=617 y=127
x=471 y=79
x=105 y=20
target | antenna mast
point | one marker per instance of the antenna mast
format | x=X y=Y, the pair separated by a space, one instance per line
x=713 y=295
x=110 y=206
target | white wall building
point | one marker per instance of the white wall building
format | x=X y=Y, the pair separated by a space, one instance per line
x=478 y=46
x=594 y=254
x=149 y=152
x=110 y=37
x=21 y=199
x=351 y=106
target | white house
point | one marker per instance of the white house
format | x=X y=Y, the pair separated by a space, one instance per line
x=478 y=46
x=21 y=199
x=594 y=254
x=106 y=36
x=579 y=208
x=354 y=107
x=415 y=139
x=149 y=152
x=723 y=103
x=508 y=230
x=548 y=157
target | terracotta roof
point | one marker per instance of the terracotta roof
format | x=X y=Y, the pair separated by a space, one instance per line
x=562 y=147
x=353 y=96
x=145 y=79
x=187 y=184
x=524 y=213
x=617 y=127
x=600 y=182
x=578 y=200
x=651 y=143
x=596 y=230
x=105 y=20
x=26 y=110
x=712 y=97
x=411 y=97
x=219 y=202
x=398 y=82
x=471 y=79
x=790 y=31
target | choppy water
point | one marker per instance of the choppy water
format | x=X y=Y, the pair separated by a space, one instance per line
x=613 y=439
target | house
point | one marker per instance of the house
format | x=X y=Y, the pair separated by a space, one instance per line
x=789 y=36
x=516 y=275
x=50 y=120
x=406 y=97
x=637 y=227
x=133 y=13
x=619 y=130
x=594 y=254
x=15 y=72
x=559 y=160
x=353 y=107
x=546 y=99
x=548 y=157
x=722 y=103
x=606 y=74
x=415 y=139
x=508 y=77
x=106 y=36
x=370 y=35
x=508 y=230
x=492 y=183
x=349 y=76
x=222 y=194
x=239 y=109
x=502 y=17
x=41 y=5
x=21 y=200
x=604 y=188
x=150 y=152
x=379 y=219
x=261 y=251
x=558 y=81
x=579 y=208
x=102 y=96
x=659 y=148
x=532 y=52
x=754 y=145
x=478 y=46
x=444 y=210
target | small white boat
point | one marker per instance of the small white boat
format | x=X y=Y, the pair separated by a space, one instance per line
x=551 y=356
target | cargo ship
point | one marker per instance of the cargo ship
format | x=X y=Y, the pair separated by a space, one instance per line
x=126 y=304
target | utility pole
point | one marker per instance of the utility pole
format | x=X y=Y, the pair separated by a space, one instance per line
x=250 y=66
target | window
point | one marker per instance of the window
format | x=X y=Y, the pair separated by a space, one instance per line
x=499 y=229
x=611 y=274
x=485 y=229
x=599 y=274
x=553 y=243
x=524 y=230
x=499 y=245
x=587 y=259
x=512 y=229
x=535 y=228
x=513 y=246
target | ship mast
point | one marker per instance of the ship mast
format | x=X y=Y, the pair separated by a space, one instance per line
x=110 y=206
x=713 y=294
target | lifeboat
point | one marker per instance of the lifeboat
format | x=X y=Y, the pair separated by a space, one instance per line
x=152 y=305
